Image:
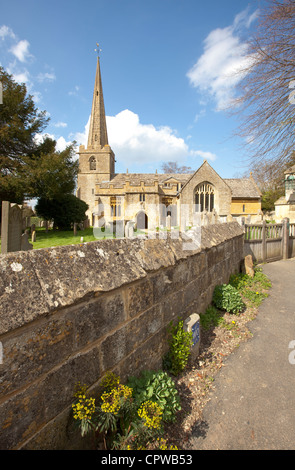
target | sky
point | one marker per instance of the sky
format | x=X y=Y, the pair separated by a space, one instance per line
x=168 y=74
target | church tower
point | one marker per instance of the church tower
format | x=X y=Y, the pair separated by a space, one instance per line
x=97 y=161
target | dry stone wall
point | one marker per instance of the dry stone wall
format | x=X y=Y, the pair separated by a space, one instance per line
x=71 y=313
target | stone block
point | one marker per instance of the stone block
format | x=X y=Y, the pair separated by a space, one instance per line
x=140 y=297
x=34 y=352
x=96 y=318
x=192 y=324
x=22 y=299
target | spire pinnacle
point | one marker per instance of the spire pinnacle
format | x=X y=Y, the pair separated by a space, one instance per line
x=97 y=137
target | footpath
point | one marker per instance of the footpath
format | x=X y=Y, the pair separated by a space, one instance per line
x=252 y=404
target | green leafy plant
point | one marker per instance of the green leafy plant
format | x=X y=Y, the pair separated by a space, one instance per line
x=226 y=297
x=252 y=289
x=123 y=419
x=157 y=387
x=180 y=342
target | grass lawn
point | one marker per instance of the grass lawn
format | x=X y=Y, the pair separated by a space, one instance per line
x=57 y=238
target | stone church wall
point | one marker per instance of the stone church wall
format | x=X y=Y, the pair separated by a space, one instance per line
x=71 y=313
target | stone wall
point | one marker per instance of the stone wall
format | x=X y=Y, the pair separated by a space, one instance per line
x=71 y=313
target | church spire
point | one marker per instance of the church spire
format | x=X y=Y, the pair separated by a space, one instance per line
x=97 y=137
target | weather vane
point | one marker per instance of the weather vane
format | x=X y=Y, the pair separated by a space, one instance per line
x=98 y=50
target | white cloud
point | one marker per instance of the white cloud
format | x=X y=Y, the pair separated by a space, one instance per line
x=204 y=155
x=20 y=76
x=75 y=91
x=21 y=50
x=5 y=31
x=61 y=142
x=139 y=144
x=46 y=77
x=60 y=124
x=225 y=55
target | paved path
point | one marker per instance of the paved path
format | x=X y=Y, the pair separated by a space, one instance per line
x=253 y=402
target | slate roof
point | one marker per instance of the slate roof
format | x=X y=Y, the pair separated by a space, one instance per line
x=243 y=188
x=148 y=178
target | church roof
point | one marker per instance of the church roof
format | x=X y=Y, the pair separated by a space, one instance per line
x=240 y=187
x=148 y=178
x=243 y=187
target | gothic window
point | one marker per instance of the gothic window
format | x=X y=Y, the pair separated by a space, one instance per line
x=92 y=163
x=115 y=206
x=204 y=197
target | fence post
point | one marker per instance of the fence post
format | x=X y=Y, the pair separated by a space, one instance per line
x=285 y=238
x=263 y=236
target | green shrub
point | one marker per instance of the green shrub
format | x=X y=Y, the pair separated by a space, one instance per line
x=226 y=297
x=157 y=387
x=180 y=343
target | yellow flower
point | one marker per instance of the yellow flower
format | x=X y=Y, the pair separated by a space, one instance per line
x=151 y=413
x=111 y=402
x=84 y=409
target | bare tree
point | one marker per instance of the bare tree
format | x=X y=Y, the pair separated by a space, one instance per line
x=172 y=167
x=266 y=103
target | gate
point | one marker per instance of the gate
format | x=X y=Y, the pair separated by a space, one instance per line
x=270 y=242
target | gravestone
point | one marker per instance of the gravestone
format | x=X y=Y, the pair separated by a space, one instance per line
x=33 y=237
x=11 y=227
x=25 y=244
x=192 y=323
x=168 y=222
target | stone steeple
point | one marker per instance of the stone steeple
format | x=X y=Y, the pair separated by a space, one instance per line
x=98 y=136
x=97 y=161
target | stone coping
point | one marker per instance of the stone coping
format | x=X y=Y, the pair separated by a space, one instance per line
x=37 y=282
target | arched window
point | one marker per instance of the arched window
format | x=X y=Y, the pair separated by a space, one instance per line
x=204 y=197
x=92 y=163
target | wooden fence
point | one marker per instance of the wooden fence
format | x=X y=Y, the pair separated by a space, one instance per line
x=270 y=242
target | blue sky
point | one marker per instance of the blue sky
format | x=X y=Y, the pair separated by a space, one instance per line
x=166 y=70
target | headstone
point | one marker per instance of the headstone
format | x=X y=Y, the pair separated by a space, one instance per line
x=25 y=245
x=33 y=237
x=205 y=218
x=33 y=228
x=192 y=323
x=131 y=231
x=75 y=229
x=197 y=219
x=168 y=222
x=11 y=227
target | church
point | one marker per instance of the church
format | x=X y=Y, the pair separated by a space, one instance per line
x=148 y=199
